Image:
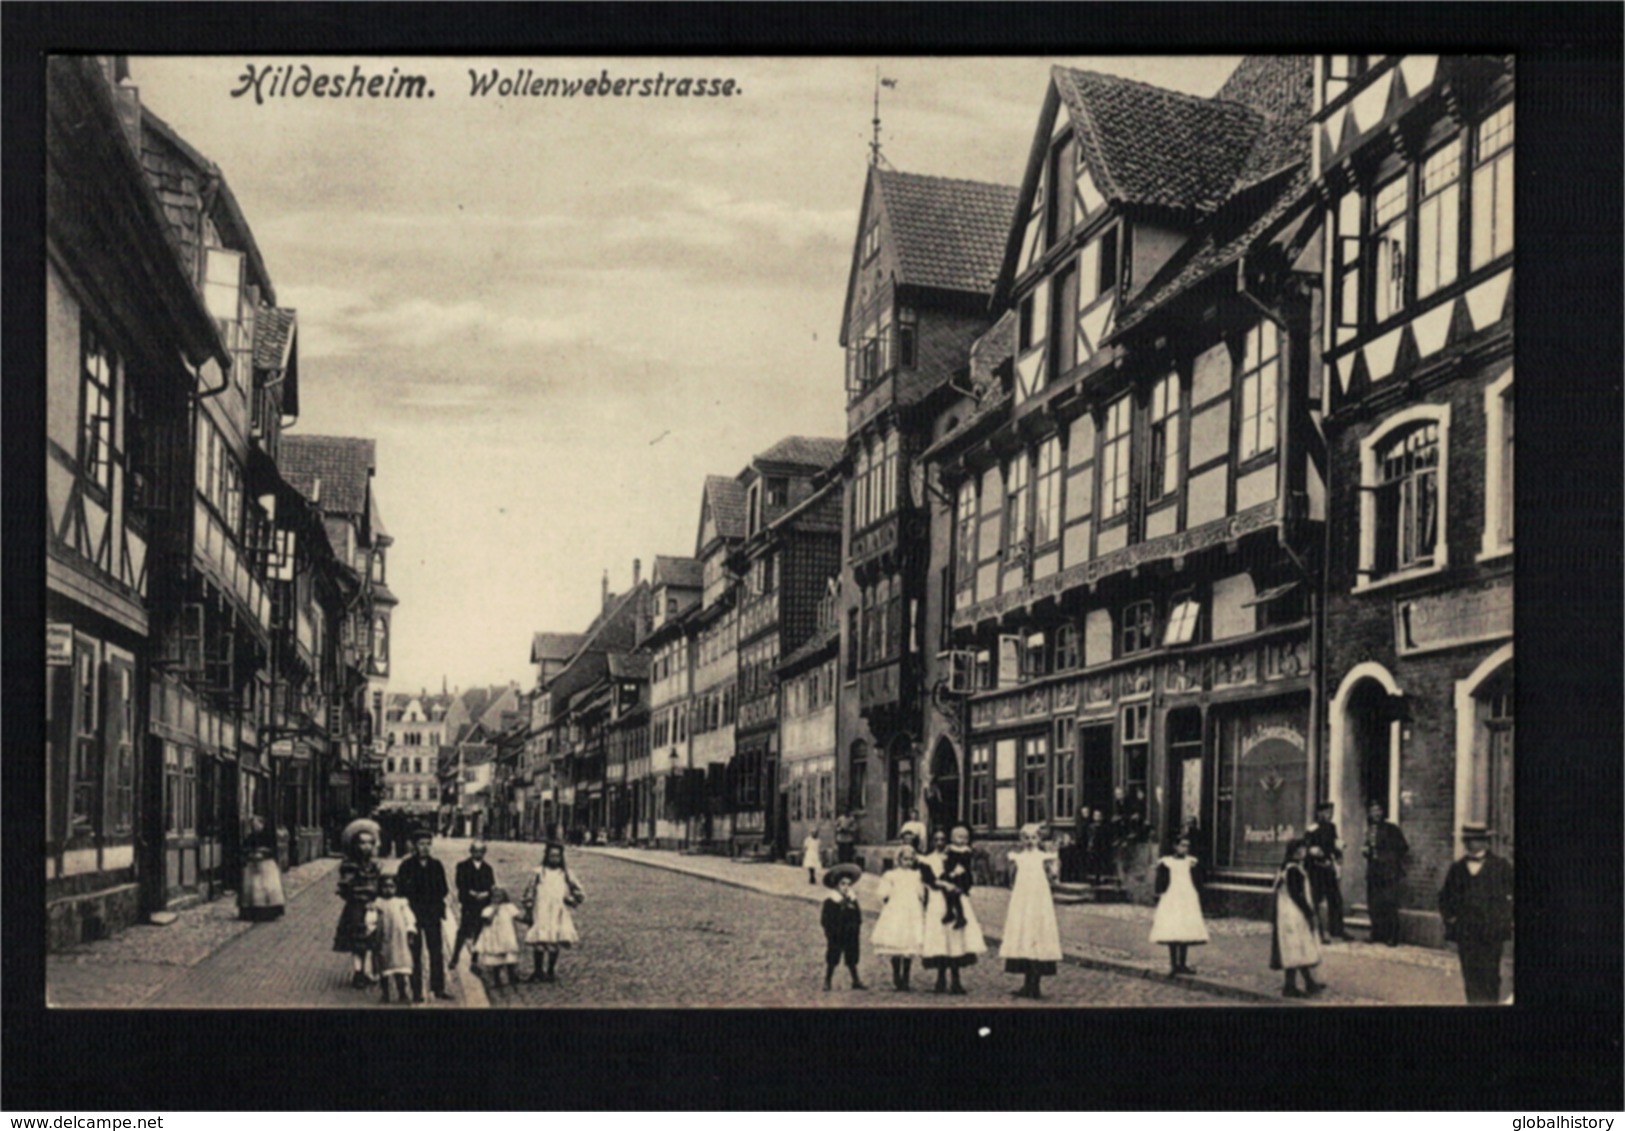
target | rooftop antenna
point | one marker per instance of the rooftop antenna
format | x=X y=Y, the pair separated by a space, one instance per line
x=875 y=157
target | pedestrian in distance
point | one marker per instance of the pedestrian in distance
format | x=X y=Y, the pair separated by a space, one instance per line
x=958 y=870
x=422 y=881
x=475 y=880
x=550 y=897
x=1032 y=938
x=842 y=919
x=1178 y=922
x=1476 y=905
x=1386 y=855
x=359 y=878
x=1295 y=942
x=811 y=851
x=397 y=927
x=260 y=895
x=900 y=931
x=1325 y=863
x=846 y=838
x=1099 y=855
x=496 y=948
x=948 y=947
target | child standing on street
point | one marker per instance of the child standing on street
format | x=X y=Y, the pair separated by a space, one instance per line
x=359 y=878
x=548 y=900
x=496 y=947
x=900 y=930
x=1178 y=923
x=1032 y=939
x=948 y=948
x=396 y=926
x=955 y=875
x=1295 y=944
x=811 y=849
x=842 y=919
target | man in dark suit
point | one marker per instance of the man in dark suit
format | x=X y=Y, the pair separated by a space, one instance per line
x=1325 y=857
x=1386 y=852
x=1476 y=903
x=475 y=879
x=421 y=881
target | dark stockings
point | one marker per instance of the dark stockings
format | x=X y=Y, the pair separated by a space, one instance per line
x=899 y=972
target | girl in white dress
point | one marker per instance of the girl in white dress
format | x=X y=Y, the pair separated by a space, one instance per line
x=496 y=947
x=900 y=930
x=947 y=948
x=1178 y=922
x=396 y=926
x=1295 y=945
x=1032 y=938
x=548 y=899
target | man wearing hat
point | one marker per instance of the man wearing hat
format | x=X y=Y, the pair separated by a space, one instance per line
x=1476 y=903
x=421 y=881
x=1325 y=856
x=1386 y=854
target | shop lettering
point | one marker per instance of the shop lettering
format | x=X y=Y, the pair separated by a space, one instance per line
x=1275 y=834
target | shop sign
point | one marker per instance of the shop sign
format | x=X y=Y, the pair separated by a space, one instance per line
x=1270 y=793
x=1461 y=616
x=58 y=645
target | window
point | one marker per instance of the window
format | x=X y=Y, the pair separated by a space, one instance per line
x=1438 y=219
x=965 y=534
x=389 y=765
x=1492 y=187
x=1068 y=648
x=1035 y=779
x=871 y=238
x=907 y=338
x=1108 y=262
x=1066 y=769
x=984 y=669
x=1136 y=758
x=86 y=764
x=1182 y=621
x=1341 y=70
x=1408 y=499
x=1063 y=178
x=98 y=366
x=1034 y=658
x=852 y=645
x=1047 y=505
x=1259 y=377
x=860 y=774
x=1114 y=456
x=1063 y=348
x=1025 y=329
x=778 y=492
x=1015 y=507
x=981 y=793
x=1004 y=783
x=1139 y=624
x=1388 y=237
x=1165 y=441
x=1349 y=258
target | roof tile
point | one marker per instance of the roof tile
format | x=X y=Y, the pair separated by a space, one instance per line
x=272 y=327
x=816 y=452
x=344 y=464
x=726 y=499
x=684 y=573
x=948 y=233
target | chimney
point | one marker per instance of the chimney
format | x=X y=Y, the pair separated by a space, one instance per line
x=603 y=602
x=637 y=571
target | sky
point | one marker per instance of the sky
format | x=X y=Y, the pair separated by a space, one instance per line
x=557 y=316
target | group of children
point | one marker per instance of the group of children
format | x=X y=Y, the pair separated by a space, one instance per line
x=927 y=914
x=379 y=929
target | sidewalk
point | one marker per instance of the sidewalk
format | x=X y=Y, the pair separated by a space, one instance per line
x=1113 y=937
x=208 y=958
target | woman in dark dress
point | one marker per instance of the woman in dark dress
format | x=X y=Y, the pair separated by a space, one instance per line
x=259 y=897
x=359 y=878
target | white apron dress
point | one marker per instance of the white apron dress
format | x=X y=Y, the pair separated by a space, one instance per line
x=498 y=941
x=1179 y=911
x=1296 y=940
x=946 y=945
x=551 y=922
x=1031 y=934
x=395 y=923
x=900 y=930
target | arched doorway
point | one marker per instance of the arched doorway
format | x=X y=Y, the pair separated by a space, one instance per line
x=942 y=798
x=1365 y=717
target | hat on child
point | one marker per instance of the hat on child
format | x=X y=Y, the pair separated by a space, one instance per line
x=839 y=872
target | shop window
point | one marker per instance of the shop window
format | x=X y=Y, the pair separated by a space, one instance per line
x=1114 y=459
x=1492 y=187
x=1182 y=621
x=1165 y=446
x=1139 y=627
x=1035 y=779
x=981 y=792
x=1403 y=498
x=1136 y=762
x=1259 y=379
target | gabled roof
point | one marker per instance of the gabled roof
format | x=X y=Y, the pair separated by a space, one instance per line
x=683 y=573
x=815 y=452
x=554 y=645
x=344 y=464
x=505 y=699
x=1150 y=146
x=948 y=233
x=628 y=665
x=726 y=500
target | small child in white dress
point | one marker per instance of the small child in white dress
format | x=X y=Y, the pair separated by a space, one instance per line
x=552 y=893
x=496 y=947
x=1032 y=938
x=395 y=926
x=900 y=930
x=1178 y=923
